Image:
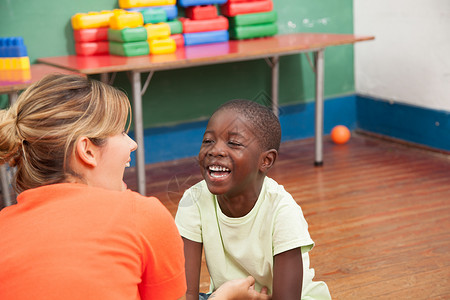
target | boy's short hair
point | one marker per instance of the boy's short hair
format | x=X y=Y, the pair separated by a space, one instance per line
x=264 y=122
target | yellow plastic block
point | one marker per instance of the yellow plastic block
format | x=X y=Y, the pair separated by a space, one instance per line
x=15 y=63
x=162 y=46
x=126 y=20
x=157 y=31
x=139 y=3
x=94 y=19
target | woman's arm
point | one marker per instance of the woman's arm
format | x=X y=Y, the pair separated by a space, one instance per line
x=288 y=275
x=193 y=261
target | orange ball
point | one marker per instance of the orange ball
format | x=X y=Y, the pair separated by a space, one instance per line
x=340 y=134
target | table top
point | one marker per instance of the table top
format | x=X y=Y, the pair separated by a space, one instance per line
x=16 y=80
x=196 y=55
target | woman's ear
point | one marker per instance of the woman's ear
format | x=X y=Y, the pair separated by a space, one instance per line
x=268 y=159
x=86 y=151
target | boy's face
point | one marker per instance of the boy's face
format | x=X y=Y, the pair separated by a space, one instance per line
x=230 y=154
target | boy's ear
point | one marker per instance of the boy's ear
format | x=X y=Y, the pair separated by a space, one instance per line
x=86 y=151
x=268 y=159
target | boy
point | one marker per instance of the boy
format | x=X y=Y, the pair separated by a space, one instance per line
x=248 y=224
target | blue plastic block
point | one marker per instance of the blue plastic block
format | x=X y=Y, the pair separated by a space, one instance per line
x=171 y=10
x=12 y=47
x=206 y=37
x=186 y=3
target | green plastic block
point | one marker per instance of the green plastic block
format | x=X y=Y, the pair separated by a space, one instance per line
x=253 y=31
x=127 y=35
x=153 y=16
x=253 y=19
x=129 y=49
x=175 y=26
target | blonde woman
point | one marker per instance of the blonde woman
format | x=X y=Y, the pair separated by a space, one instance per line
x=76 y=232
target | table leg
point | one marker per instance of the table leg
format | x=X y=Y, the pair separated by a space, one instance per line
x=275 y=83
x=319 y=66
x=138 y=130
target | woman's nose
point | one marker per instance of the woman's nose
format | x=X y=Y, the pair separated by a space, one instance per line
x=133 y=145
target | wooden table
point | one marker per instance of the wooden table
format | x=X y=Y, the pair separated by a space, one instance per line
x=270 y=48
x=11 y=82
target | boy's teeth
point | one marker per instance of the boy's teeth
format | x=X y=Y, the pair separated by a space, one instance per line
x=218 y=169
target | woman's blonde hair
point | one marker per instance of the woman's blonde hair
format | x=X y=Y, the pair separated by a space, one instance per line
x=39 y=131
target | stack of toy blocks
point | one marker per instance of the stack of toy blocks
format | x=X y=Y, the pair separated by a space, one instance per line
x=14 y=60
x=127 y=35
x=90 y=32
x=203 y=24
x=250 y=18
x=160 y=24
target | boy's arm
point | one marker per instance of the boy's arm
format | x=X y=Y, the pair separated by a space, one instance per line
x=288 y=275
x=193 y=261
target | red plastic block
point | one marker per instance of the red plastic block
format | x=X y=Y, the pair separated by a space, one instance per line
x=179 y=39
x=190 y=26
x=231 y=9
x=91 y=35
x=201 y=12
x=91 y=48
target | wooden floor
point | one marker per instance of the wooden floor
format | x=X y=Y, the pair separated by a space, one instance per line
x=378 y=211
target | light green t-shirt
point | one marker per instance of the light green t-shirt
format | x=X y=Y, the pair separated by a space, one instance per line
x=238 y=247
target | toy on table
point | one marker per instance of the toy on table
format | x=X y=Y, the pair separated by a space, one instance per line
x=157 y=12
x=203 y=24
x=158 y=36
x=340 y=134
x=250 y=19
x=127 y=35
x=14 y=60
x=90 y=31
x=13 y=54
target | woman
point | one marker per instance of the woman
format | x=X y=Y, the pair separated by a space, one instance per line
x=76 y=232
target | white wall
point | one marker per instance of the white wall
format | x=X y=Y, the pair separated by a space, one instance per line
x=409 y=60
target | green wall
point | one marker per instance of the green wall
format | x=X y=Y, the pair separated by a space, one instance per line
x=185 y=95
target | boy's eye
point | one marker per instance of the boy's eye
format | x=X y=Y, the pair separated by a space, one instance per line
x=234 y=143
x=207 y=141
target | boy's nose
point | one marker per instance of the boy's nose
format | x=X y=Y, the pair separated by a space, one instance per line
x=218 y=149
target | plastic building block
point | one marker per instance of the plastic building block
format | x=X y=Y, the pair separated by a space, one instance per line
x=219 y=23
x=157 y=31
x=18 y=76
x=206 y=37
x=126 y=20
x=253 y=19
x=127 y=35
x=12 y=47
x=129 y=49
x=171 y=10
x=139 y=3
x=179 y=39
x=253 y=31
x=162 y=46
x=201 y=12
x=90 y=35
x=91 y=48
x=186 y=3
x=175 y=26
x=231 y=9
x=154 y=15
x=93 y=19
x=14 y=63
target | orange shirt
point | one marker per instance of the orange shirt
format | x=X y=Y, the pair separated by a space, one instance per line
x=69 y=241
